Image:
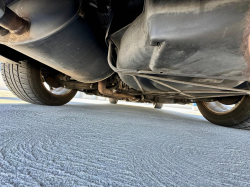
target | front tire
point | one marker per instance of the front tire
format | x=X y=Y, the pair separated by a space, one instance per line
x=237 y=117
x=25 y=81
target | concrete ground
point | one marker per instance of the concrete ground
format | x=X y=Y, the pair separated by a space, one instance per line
x=94 y=143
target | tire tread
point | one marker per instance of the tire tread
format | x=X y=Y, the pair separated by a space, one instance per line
x=16 y=79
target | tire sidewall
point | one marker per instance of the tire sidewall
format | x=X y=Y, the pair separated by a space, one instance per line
x=235 y=117
x=34 y=78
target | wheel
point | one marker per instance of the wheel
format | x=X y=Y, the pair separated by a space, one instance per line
x=113 y=100
x=158 y=105
x=26 y=82
x=227 y=114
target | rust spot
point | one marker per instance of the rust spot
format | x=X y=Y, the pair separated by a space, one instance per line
x=12 y=38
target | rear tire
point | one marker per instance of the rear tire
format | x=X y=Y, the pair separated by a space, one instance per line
x=238 y=117
x=113 y=100
x=158 y=105
x=25 y=81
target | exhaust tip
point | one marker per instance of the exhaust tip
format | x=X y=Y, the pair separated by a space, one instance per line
x=10 y=21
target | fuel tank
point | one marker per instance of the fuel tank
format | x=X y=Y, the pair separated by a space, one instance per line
x=65 y=35
x=189 y=39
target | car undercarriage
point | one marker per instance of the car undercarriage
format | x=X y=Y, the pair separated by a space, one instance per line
x=149 y=51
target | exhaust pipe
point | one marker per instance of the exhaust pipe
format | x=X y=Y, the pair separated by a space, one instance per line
x=106 y=92
x=11 y=21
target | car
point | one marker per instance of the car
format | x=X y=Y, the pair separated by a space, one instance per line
x=148 y=51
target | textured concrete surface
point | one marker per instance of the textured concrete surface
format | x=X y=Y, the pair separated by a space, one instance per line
x=99 y=144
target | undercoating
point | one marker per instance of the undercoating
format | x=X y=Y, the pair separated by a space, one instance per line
x=183 y=40
x=192 y=41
